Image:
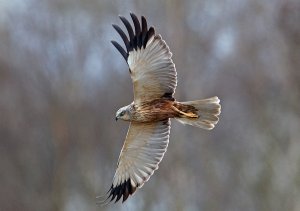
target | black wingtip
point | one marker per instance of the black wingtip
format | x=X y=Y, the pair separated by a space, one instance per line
x=149 y=34
x=128 y=27
x=120 y=49
x=137 y=39
x=114 y=194
x=123 y=36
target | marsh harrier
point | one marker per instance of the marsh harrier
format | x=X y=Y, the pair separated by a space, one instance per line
x=154 y=81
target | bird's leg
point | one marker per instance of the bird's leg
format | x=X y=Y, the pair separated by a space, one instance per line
x=190 y=114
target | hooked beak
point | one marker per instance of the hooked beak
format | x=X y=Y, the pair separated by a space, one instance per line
x=117 y=118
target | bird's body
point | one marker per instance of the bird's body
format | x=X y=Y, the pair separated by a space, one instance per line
x=159 y=110
x=154 y=81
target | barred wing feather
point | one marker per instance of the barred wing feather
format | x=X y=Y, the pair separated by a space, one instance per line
x=149 y=59
x=143 y=149
x=152 y=71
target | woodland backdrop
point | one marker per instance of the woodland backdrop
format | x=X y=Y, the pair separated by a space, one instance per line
x=61 y=82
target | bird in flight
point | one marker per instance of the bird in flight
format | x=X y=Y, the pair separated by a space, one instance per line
x=154 y=81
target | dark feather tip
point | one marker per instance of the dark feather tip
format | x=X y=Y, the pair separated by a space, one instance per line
x=115 y=193
x=136 y=39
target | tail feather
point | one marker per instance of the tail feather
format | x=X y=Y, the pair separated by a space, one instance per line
x=207 y=110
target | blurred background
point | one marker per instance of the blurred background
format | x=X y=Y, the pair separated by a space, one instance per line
x=61 y=82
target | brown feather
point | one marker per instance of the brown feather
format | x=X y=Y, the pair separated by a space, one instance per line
x=162 y=109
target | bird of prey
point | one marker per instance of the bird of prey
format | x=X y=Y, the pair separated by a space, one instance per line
x=154 y=81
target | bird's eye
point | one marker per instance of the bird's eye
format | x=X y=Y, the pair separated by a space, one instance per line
x=122 y=113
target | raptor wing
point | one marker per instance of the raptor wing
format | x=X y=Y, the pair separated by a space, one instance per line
x=149 y=59
x=143 y=149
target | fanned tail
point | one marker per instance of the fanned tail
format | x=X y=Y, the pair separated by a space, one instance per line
x=205 y=113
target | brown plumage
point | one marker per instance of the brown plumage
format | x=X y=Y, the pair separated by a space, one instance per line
x=162 y=109
x=154 y=81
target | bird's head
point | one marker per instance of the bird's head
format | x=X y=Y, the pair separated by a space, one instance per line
x=123 y=113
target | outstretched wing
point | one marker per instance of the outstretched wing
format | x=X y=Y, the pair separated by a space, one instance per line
x=142 y=151
x=149 y=59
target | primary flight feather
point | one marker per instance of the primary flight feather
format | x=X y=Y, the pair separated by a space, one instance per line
x=154 y=81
